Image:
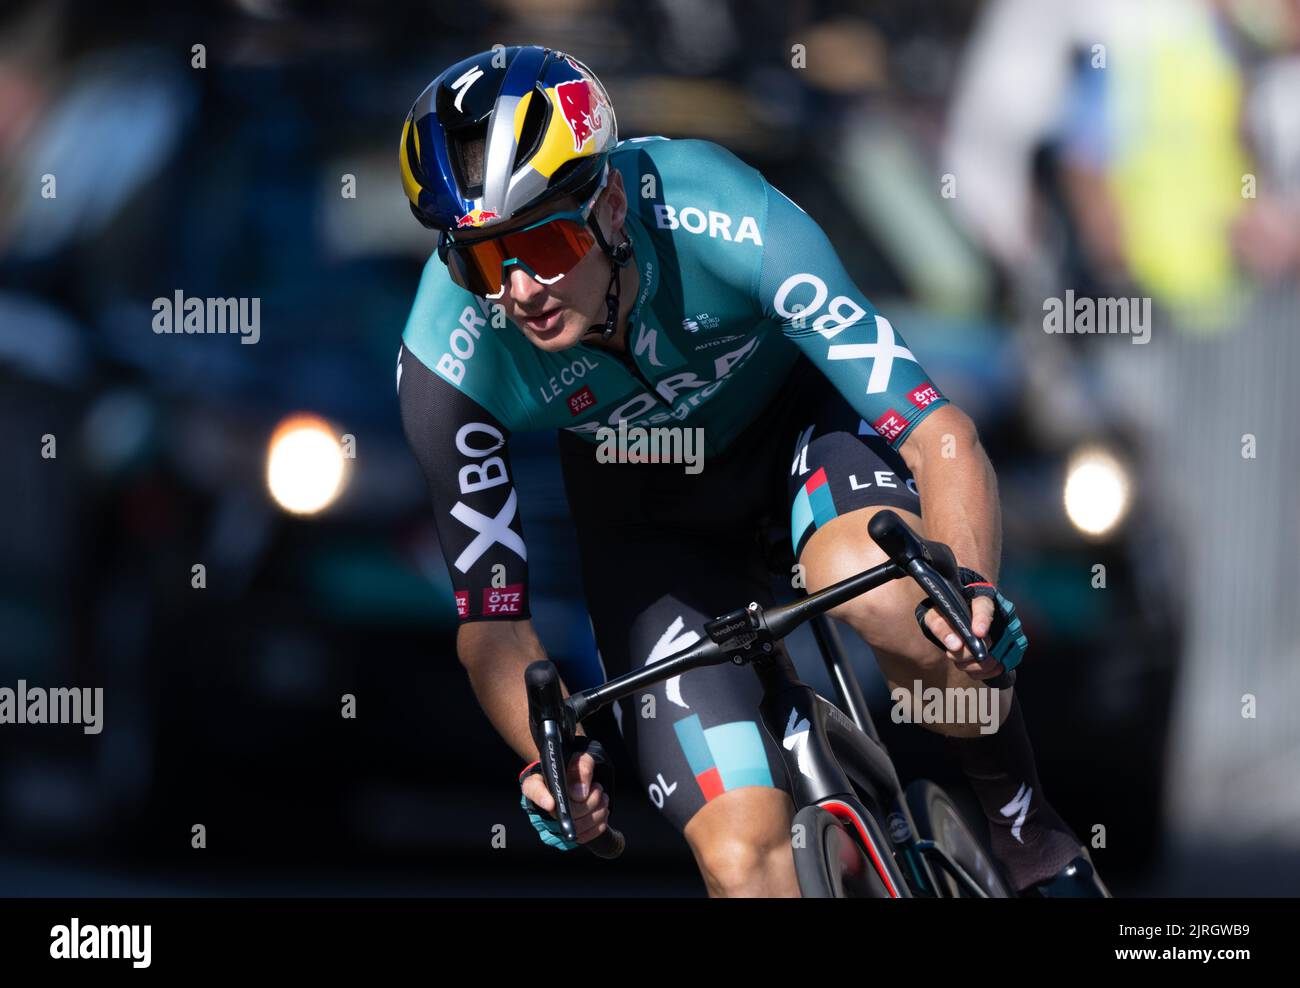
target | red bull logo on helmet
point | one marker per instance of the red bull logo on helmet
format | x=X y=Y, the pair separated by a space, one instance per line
x=476 y=217
x=583 y=107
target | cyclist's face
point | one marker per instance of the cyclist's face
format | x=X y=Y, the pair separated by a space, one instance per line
x=555 y=317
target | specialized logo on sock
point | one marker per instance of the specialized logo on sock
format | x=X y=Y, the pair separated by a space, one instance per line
x=1018 y=805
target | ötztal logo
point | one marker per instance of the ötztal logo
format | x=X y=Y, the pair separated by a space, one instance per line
x=924 y=396
x=890 y=425
x=581 y=400
x=503 y=600
x=715 y=224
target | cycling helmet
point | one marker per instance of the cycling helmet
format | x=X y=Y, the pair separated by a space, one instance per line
x=502 y=132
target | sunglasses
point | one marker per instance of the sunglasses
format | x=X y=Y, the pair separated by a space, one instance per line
x=548 y=250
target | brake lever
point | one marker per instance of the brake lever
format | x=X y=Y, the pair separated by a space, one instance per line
x=553 y=725
x=547 y=726
x=933 y=567
x=952 y=605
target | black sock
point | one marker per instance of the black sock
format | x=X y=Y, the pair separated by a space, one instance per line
x=1028 y=836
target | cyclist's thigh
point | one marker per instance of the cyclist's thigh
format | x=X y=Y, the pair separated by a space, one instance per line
x=652 y=577
x=840 y=465
x=842 y=473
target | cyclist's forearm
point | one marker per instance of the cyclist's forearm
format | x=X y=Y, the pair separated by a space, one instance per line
x=495 y=655
x=958 y=489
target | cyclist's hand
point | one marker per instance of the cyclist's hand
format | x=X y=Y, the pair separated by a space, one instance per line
x=981 y=620
x=993 y=619
x=588 y=801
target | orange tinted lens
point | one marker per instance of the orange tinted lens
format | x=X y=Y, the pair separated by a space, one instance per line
x=548 y=251
x=551 y=249
x=478 y=266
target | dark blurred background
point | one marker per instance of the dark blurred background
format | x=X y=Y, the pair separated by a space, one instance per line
x=968 y=159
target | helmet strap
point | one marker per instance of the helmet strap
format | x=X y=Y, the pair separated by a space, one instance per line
x=619 y=257
x=612 y=294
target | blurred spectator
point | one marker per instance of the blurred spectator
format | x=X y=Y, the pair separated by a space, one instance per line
x=1164 y=117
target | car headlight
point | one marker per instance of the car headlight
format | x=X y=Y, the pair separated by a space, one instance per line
x=1097 y=491
x=305 y=466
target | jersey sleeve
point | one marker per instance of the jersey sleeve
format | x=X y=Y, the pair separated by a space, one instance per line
x=464 y=452
x=803 y=287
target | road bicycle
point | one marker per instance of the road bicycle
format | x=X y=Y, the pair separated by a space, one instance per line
x=856 y=833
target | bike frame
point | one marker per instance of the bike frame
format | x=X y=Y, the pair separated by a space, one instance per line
x=850 y=773
x=832 y=760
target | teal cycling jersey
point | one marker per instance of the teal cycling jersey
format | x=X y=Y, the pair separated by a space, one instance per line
x=736 y=281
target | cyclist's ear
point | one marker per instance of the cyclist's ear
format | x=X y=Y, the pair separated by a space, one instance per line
x=613 y=202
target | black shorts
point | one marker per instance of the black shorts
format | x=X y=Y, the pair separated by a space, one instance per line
x=662 y=551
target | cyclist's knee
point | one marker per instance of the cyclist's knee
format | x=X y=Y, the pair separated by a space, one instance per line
x=885 y=617
x=741 y=842
x=886 y=620
x=734 y=868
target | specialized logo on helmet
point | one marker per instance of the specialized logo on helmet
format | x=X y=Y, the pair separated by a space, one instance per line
x=584 y=110
x=476 y=217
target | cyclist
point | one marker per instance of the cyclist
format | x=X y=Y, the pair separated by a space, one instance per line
x=585 y=284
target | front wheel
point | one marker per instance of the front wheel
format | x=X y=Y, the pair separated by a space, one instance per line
x=938 y=820
x=828 y=861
